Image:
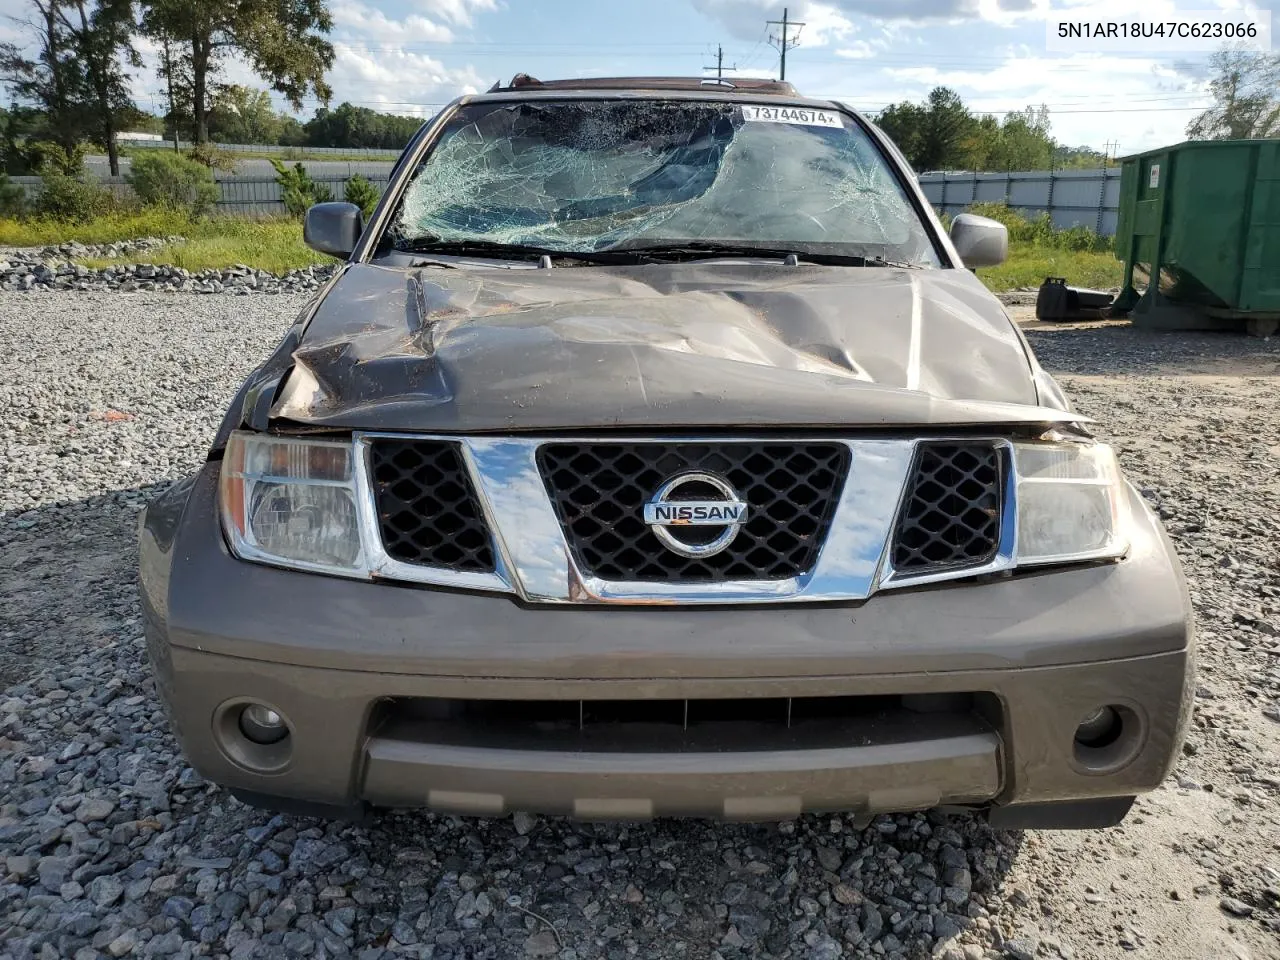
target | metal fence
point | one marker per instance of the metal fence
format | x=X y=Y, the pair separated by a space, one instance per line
x=1087 y=198
x=261 y=196
x=1072 y=198
x=374 y=153
x=237 y=194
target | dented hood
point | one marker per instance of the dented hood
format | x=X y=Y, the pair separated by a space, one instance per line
x=478 y=349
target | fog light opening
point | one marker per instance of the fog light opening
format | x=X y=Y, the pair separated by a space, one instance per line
x=1100 y=729
x=253 y=735
x=1107 y=739
x=262 y=725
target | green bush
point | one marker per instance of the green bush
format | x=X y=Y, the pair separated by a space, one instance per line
x=72 y=198
x=299 y=191
x=1084 y=240
x=170 y=180
x=42 y=155
x=213 y=157
x=362 y=193
x=1041 y=231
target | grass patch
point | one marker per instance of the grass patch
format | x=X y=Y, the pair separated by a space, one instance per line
x=1030 y=263
x=122 y=225
x=275 y=245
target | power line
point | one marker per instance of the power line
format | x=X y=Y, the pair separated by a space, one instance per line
x=782 y=41
x=755 y=51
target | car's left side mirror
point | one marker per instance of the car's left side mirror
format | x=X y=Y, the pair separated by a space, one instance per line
x=980 y=241
x=333 y=228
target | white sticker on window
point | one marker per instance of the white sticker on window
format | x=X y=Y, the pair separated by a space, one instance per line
x=802 y=115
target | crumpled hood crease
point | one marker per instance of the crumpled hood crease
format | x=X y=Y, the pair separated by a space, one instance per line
x=674 y=345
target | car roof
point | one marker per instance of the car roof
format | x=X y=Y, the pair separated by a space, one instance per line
x=524 y=82
x=525 y=88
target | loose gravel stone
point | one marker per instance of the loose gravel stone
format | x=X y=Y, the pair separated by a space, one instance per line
x=112 y=846
x=52 y=268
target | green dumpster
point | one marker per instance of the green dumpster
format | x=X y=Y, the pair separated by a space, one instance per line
x=1203 y=219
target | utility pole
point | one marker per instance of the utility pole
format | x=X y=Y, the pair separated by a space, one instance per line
x=719 y=67
x=1109 y=149
x=782 y=41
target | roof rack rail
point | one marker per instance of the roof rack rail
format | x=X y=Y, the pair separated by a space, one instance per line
x=523 y=81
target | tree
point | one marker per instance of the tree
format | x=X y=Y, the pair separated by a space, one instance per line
x=1021 y=142
x=102 y=41
x=292 y=133
x=19 y=126
x=52 y=80
x=281 y=39
x=243 y=115
x=903 y=123
x=1246 y=94
x=941 y=134
x=1081 y=158
x=947 y=123
x=933 y=134
x=297 y=189
x=362 y=193
x=77 y=77
x=352 y=126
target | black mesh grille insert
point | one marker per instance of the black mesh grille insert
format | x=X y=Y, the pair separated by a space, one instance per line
x=951 y=516
x=599 y=490
x=427 y=509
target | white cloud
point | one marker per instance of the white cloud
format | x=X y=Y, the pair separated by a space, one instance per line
x=459 y=12
x=824 y=23
x=397 y=80
x=1092 y=99
x=858 y=50
x=358 y=18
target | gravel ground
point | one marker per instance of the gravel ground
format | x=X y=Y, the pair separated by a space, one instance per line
x=39 y=269
x=111 y=846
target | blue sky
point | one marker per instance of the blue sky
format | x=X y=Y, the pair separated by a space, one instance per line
x=409 y=56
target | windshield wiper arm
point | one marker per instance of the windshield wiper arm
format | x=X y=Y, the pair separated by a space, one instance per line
x=706 y=249
x=507 y=251
x=902 y=264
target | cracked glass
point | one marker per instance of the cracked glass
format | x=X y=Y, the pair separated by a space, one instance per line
x=585 y=176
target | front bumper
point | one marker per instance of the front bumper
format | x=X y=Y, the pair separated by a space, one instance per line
x=1036 y=652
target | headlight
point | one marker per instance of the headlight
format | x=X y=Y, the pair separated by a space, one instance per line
x=1071 y=503
x=292 y=502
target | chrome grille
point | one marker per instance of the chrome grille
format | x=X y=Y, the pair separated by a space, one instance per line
x=427 y=509
x=951 y=514
x=599 y=491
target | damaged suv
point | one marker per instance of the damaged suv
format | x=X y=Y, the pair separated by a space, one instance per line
x=654 y=451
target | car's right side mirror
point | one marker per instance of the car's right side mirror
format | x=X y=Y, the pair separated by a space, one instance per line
x=333 y=228
x=980 y=241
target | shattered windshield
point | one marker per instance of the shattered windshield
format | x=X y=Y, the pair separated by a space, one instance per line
x=586 y=176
